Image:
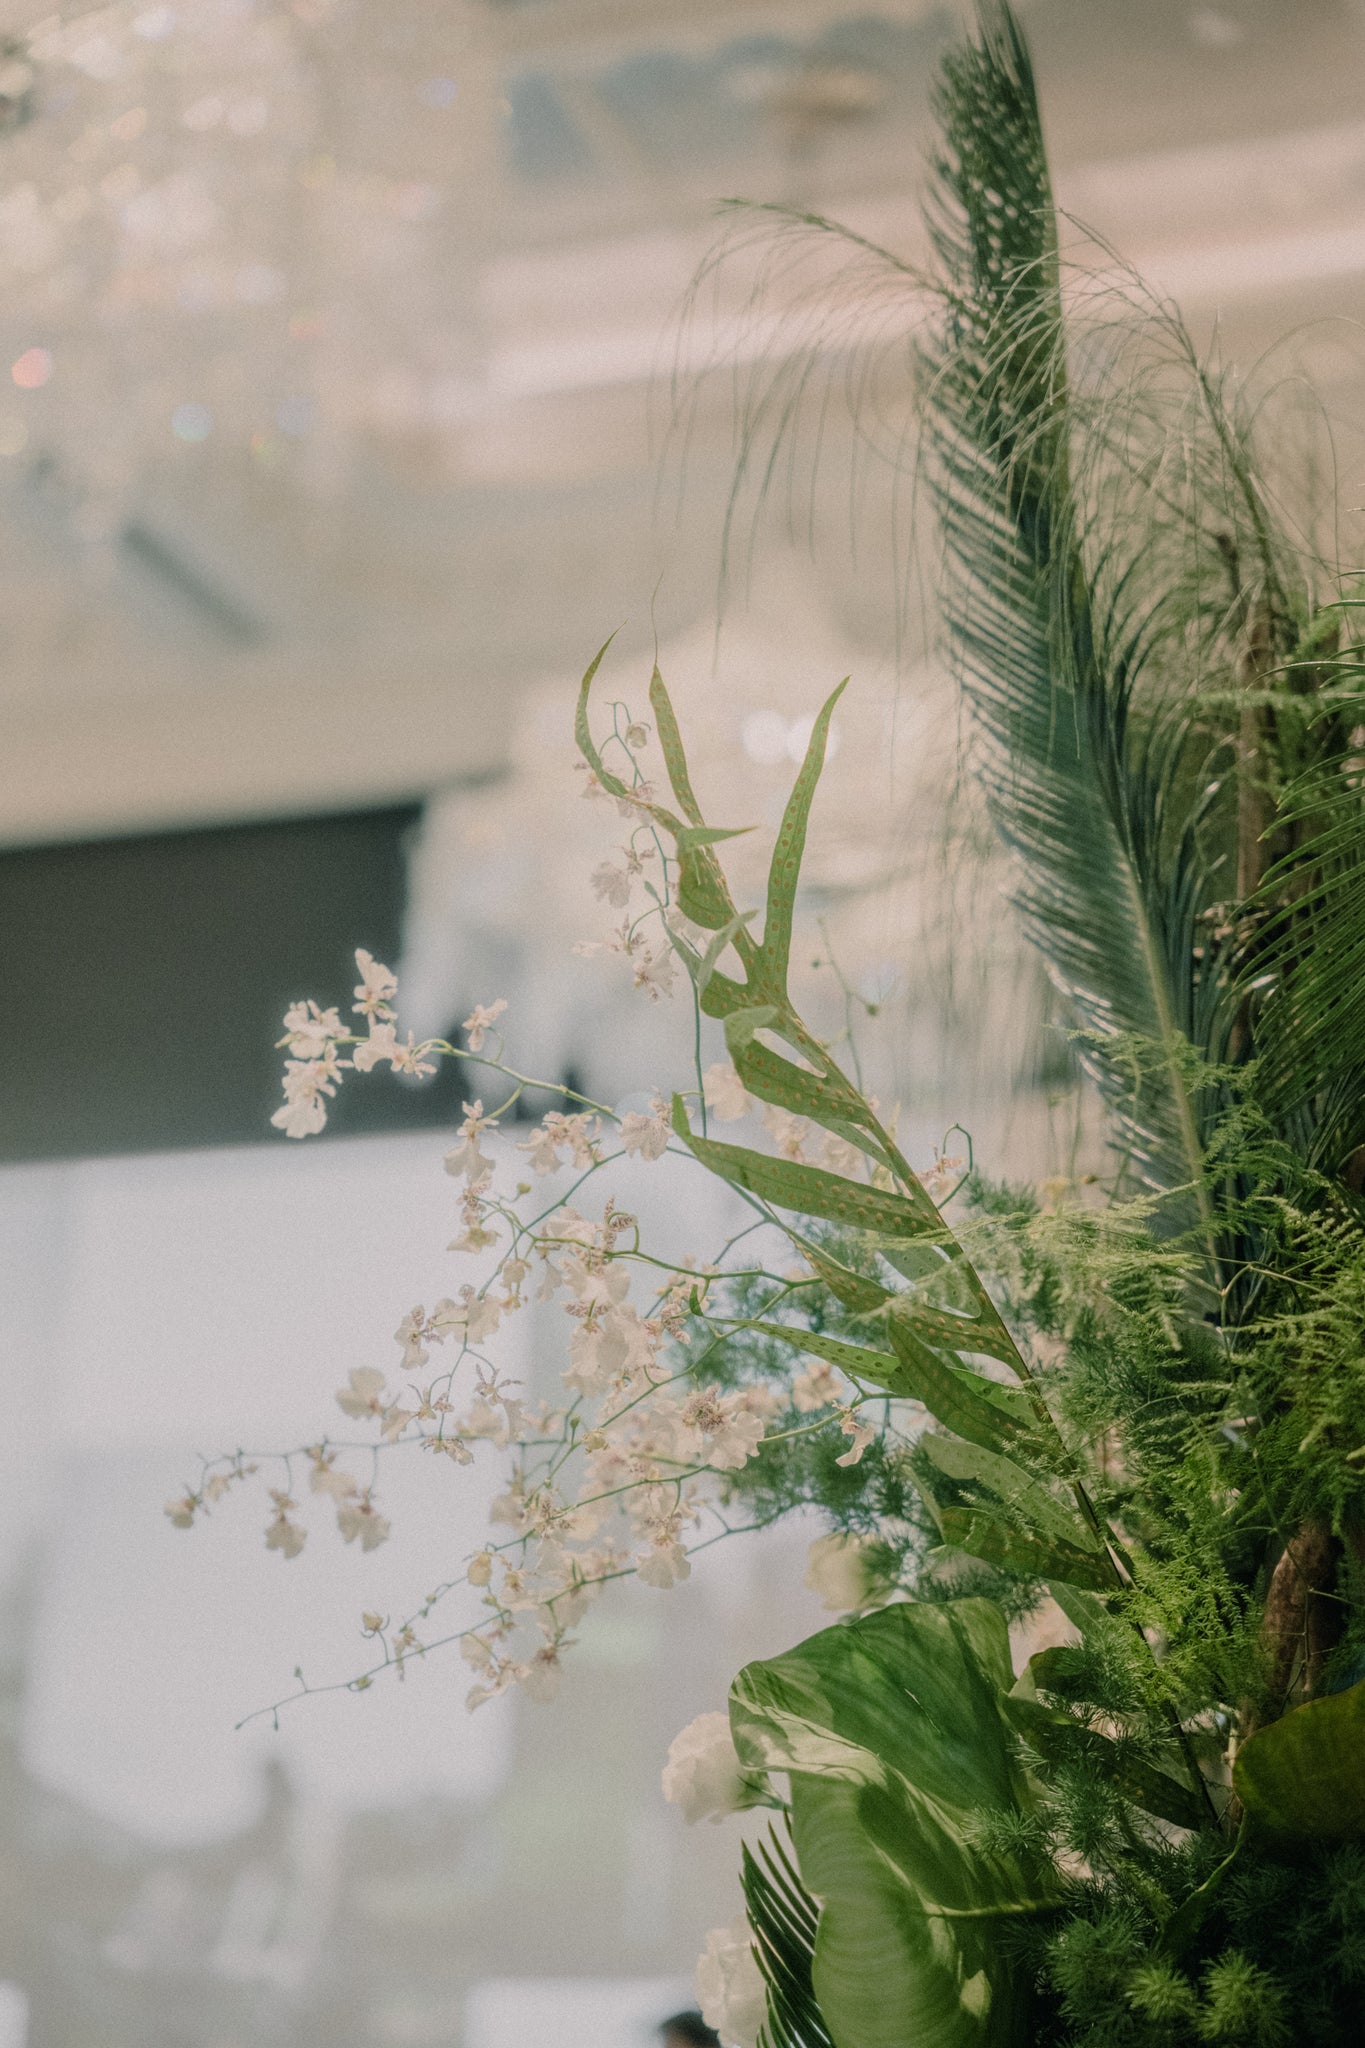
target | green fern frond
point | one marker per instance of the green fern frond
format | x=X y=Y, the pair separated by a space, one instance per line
x=784 y=1916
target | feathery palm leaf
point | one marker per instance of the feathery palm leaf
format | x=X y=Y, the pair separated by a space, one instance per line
x=1119 y=594
x=783 y=1916
x=1307 y=972
x=1111 y=878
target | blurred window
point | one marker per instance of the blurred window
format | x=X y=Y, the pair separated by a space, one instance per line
x=152 y=974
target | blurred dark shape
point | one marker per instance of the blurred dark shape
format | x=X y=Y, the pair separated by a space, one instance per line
x=156 y=970
x=17 y=83
x=688 y=2030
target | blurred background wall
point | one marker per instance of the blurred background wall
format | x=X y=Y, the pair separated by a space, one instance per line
x=346 y=404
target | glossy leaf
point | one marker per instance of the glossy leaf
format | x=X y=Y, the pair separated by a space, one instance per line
x=977 y=1408
x=1010 y=1483
x=809 y=1189
x=785 y=871
x=890 y=1730
x=983 y=1535
x=1304 y=1776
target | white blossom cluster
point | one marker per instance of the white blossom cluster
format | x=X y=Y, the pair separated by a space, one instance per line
x=624 y=1473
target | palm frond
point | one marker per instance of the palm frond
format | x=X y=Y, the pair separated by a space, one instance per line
x=1123 y=593
x=1060 y=610
x=1306 y=974
x=784 y=1916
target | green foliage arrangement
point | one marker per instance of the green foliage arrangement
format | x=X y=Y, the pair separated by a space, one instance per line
x=1153 y=1834
x=1152 y=1410
x=1131 y=1420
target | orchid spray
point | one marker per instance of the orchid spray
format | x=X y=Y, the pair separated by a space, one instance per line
x=639 y=1459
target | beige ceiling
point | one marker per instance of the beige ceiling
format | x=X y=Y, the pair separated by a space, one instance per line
x=342 y=332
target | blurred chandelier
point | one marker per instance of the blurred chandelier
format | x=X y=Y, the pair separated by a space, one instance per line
x=239 y=226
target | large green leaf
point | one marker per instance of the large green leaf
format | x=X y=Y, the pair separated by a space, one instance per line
x=1303 y=1777
x=984 y=1535
x=890 y=1730
x=1022 y=1494
x=810 y=1189
x=979 y=1409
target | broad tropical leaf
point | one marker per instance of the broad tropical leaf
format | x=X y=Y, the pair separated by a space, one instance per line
x=984 y=1535
x=1022 y=1495
x=891 y=1732
x=1303 y=1777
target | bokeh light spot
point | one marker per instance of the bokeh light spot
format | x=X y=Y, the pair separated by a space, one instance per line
x=154 y=24
x=191 y=421
x=32 y=369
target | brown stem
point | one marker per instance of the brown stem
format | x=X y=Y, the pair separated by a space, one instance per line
x=1301 y=1623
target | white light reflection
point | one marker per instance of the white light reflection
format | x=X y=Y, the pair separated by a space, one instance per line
x=163 y=1306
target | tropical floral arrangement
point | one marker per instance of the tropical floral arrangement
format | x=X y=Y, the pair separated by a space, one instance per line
x=1127 y=1421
